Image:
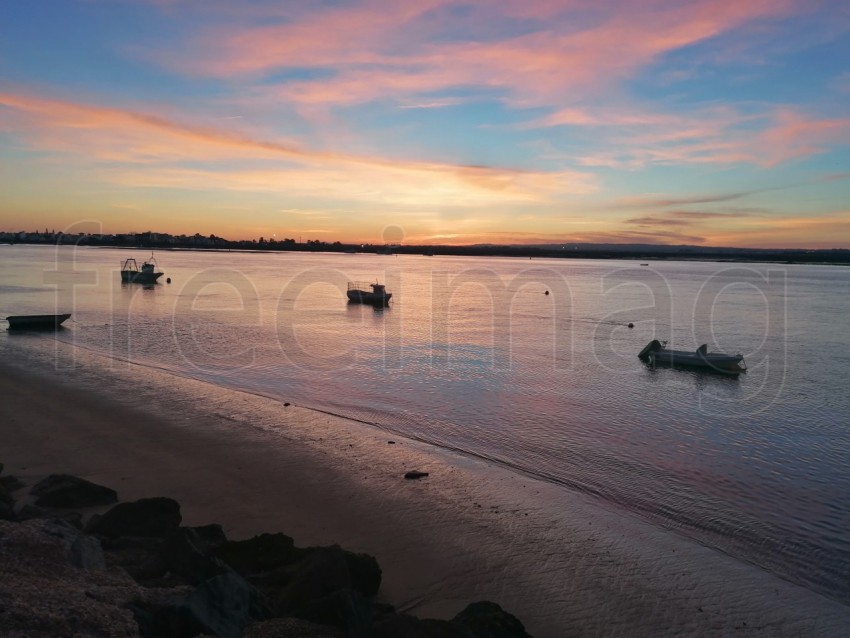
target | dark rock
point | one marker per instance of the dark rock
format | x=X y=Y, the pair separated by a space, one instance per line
x=186 y=553
x=206 y=537
x=291 y=628
x=488 y=620
x=1 y=468
x=63 y=490
x=415 y=474
x=87 y=553
x=146 y=517
x=260 y=554
x=345 y=609
x=29 y=511
x=7 y=513
x=164 y=619
x=321 y=572
x=84 y=551
x=11 y=483
x=405 y=626
x=364 y=571
x=6 y=496
x=144 y=558
x=222 y=605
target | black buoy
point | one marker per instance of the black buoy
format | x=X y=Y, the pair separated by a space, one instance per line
x=546 y=293
x=168 y=280
x=631 y=325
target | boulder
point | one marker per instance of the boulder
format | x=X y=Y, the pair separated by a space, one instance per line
x=7 y=505
x=7 y=513
x=206 y=537
x=6 y=496
x=477 y=620
x=260 y=554
x=64 y=490
x=186 y=553
x=345 y=609
x=221 y=606
x=319 y=574
x=155 y=517
x=84 y=551
x=144 y=558
x=29 y=512
x=406 y=626
x=487 y=620
x=11 y=483
x=43 y=593
x=291 y=628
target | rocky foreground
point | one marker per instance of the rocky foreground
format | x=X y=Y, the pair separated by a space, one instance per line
x=135 y=571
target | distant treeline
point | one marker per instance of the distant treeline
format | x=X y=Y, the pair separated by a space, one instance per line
x=161 y=241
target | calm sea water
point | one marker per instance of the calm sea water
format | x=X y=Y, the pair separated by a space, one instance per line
x=473 y=355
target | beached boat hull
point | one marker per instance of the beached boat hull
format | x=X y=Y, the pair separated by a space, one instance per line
x=36 y=322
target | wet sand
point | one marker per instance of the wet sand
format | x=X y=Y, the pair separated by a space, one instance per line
x=563 y=563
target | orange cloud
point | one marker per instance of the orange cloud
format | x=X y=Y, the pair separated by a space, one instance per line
x=829 y=230
x=120 y=137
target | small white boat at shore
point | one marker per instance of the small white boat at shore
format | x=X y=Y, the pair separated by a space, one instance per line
x=362 y=292
x=656 y=352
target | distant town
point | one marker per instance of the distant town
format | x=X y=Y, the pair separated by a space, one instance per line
x=165 y=241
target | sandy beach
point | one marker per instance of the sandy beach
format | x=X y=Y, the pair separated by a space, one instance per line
x=561 y=562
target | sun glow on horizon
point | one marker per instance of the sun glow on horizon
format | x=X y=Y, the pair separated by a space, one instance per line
x=665 y=122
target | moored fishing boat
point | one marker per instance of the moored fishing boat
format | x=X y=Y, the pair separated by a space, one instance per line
x=147 y=273
x=362 y=292
x=36 y=322
x=656 y=352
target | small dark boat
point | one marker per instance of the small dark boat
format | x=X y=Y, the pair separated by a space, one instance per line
x=361 y=292
x=656 y=352
x=36 y=322
x=147 y=273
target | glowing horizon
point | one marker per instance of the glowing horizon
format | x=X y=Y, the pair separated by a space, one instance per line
x=551 y=121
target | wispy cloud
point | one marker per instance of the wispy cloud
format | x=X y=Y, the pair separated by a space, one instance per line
x=825 y=230
x=160 y=144
x=685 y=218
x=387 y=50
x=634 y=138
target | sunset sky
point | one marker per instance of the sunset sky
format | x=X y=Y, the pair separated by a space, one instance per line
x=708 y=122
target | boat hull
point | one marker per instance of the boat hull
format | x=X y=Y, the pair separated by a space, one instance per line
x=726 y=363
x=656 y=353
x=361 y=296
x=135 y=277
x=36 y=322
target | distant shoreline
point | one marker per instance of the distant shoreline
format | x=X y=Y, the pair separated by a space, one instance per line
x=647 y=253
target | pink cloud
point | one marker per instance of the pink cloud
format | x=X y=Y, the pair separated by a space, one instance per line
x=379 y=50
x=634 y=138
x=794 y=134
